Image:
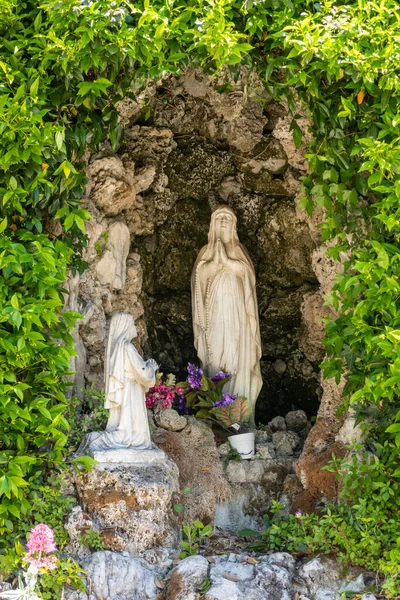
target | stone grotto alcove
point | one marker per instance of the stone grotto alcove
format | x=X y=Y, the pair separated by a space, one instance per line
x=190 y=144
x=151 y=202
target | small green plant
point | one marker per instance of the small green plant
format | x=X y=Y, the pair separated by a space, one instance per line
x=92 y=539
x=178 y=506
x=194 y=534
x=101 y=243
x=203 y=586
x=232 y=455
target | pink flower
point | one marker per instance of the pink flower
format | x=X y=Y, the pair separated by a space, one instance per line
x=41 y=539
x=44 y=562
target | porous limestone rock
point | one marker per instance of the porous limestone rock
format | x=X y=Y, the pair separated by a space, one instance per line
x=326 y=580
x=134 y=500
x=186 y=577
x=296 y=420
x=276 y=576
x=233 y=577
x=263 y=435
x=278 y=424
x=254 y=484
x=116 y=576
x=113 y=184
x=285 y=442
x=170 y=419
x=111 y=269
x=200 y=471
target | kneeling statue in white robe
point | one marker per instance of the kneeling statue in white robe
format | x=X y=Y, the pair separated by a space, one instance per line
x=127 y=377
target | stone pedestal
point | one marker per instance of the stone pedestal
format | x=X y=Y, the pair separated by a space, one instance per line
x=129 y=499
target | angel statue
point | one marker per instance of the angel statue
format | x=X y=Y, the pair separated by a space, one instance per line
x=224 y=308
x=127 y=379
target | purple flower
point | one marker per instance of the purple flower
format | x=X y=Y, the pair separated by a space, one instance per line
x=298 y=514
x=227 y=399
x=220 y=375
x=182 y=407
x=194 y=377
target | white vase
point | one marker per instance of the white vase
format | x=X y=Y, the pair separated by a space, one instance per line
x=244 y=444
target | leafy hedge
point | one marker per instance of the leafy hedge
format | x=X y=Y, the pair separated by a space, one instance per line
x=64 y=65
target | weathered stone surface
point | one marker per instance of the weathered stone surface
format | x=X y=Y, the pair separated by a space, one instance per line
x=321 y=573
x=232 y=577
x=116 y=576
x=170 y=419
x=277 y=576
x=265 y=451
x=285 y=442
x=325 y=580
x=112 y=188
x=195 y=452
x=111 y=269
x=77 y=523
x=135 y=500
x=296 y=420
x=263 y=435
x=320 y=486
x=186 y=577
x=254 y=484
x=278 y=424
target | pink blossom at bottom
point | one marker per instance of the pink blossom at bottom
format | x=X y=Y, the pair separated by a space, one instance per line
x=44 y=562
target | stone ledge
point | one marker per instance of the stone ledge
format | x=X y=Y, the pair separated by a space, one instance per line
x=133 y=500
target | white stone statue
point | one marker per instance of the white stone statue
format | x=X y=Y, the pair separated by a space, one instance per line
x=224 y=307
x=128 y=377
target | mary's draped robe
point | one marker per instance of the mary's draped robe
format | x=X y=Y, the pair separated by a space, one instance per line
x=225 y=314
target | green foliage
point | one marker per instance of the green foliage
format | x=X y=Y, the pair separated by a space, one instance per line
x=85 y=413
x=238 y=412
x=194 y=534
x=51 y=585
x=92 y=539
x=361 y=529
x=65 y=65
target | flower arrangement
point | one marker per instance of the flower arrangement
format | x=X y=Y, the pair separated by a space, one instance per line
x=165 y=392
x=205 y=396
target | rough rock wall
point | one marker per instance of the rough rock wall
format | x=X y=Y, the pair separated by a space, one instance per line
x=152 y=203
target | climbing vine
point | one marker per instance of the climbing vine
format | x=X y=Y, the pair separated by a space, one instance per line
x=65 y=64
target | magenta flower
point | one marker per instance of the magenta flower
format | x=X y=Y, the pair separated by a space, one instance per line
x=162 y=395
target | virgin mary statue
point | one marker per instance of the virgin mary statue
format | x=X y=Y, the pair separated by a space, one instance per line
x=127 y=379
x=224 y=307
